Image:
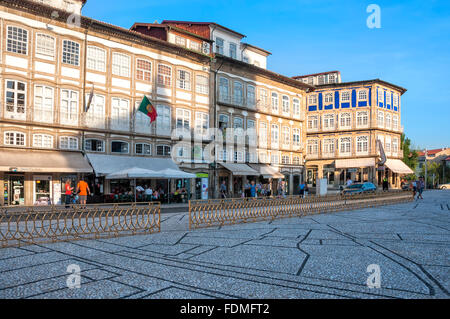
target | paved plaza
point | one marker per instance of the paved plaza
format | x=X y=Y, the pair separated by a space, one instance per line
x=318 y=256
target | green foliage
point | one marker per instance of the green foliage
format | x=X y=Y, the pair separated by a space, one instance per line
x=410 y=157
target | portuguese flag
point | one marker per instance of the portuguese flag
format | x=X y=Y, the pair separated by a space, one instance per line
x=148 y=109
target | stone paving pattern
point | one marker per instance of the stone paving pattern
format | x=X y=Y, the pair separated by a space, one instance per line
x=318 y=256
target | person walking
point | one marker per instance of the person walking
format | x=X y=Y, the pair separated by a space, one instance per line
x=420 y=187
x=302 y=189
x=223 y=189
x=414 y=188
x=83 y=191
x=385 y=184
x=253 y=189
x=68 y=193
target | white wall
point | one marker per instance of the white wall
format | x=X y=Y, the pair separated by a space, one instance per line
x=67 y=5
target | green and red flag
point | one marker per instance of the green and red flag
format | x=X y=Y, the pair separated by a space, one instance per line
x=148 y=109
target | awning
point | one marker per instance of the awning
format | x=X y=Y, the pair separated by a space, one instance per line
x=108 y=164
x=397 y=166
x=355 y=163
x=43 y=161
x=267 y=171
x=240 y=169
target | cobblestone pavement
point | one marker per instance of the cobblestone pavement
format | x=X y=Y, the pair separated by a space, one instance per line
x=319 y=256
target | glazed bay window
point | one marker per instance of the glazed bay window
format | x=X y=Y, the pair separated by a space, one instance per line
x=142 y=122
x=121 y=64
x=120 y=110
x=296 y=107
x=223 y=123
x=119 y=147
x=285 y=160
x=239 y=156
x=262 y=134
x=395 y=122
x=14 y=139
x=201 y=123
x=362 y=119
x=395 y=145
x=313 y=122
x=15 y=100
x=387 y=144
x=362 y=145
x=296 y=137
x=380 y=119
x=328 y=98
x=395 y=99
x=224 y=90
x=143 y=149
x=233 y=50
x=95 y=116
x=251 y=133
x=286 y=136
x=17 y=40
x=274 y=136
x=45 y=45
x=313 y=147
x=238 y=130
x=296 y=160
x=251 y=96
x=163 y=120
x=94 y=145
x=96 y=59
x=328 y=147
x=263 y=98
x=42 y=141
x=387 y=121
x=388 y=97
x=312 y=99
x=380 y=96
x=163 y=150
x=362 y=95
x=345 y=120
x=275 y=158
x=219 y=45
x=69 y=107
x=184 y=80
x=183 y=119
x=328 y=121
x=68 y=143
x=345 y=96
x=286 y=104
x=345 y=144
x=196 y=46
x=180 y=41
x=43 y=104
x=238 y=93
x=201 y=84
x=71 y=53
x=274 y=102
x=143 y=70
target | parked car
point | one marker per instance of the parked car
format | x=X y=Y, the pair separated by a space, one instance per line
x=360 y=188
x=444 y=186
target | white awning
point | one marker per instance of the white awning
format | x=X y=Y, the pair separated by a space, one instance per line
x=397 y=166
x=108 y=164
x=267 y=171
x=355 y=162
x=240 y=169
x=43 y=161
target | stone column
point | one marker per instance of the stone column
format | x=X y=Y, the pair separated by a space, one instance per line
x=291 y=184
x=2 y=189
x=28 y=189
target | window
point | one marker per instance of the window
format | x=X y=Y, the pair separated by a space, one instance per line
x=182 y=151
x=362 y=95
x=42 y=140
x=328 y=121
x=395 y=122
x=346 y=120
x=96 y=59
x=362 y=144
x=296 y=160
x=296 y=137
x=180 y=41
x=17 y=40
x=163 y=150
x=262 y=134
x=245 y=59
x=286 y=107
x=331 y=78
x=395 y=145
x=285 y=160
x=251 y=96
x=251 y=133
x=362 y=119
x=223 y=122
x=119 y=147
x=95 y=116
x=45 y=45
x=313 y=147
x=321 y=79
x=201 y=123
x=388 y=98
x=312 y=99
x=163 y=120
x=201 y=84
x=263 y=157
x=68 y=143
x=296 y=106
x=120 y=109
x=144 y=70
x=238 y=156
x=274 y=102
x=380 y=119
x=238 y=130
x=143 y=149
x=183 y=119
x=164 y=75
x=328 y=146
x=274 y=134
x=93 y=145
x=263 y=98
x=184 y=80
x=14 y=138
x=238 y=93
x=142 y=121
x=345 y=96
x=395 y=99
x=233 y=50
x=286 y=136
x=387 y=121
x=224 y=90
x=328 y=98
x=71 y=52
x=15 y=98
x=313 y=122
x=43 y=104
x=121 y=64
x=275 y=158
x=222 y=155
x=196 y=46
x=219 y=45
x=345 y=145
x=380 y=96
x=388 y=144
x=69 y=107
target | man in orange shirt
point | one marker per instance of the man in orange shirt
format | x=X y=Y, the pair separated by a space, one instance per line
x=83 y=189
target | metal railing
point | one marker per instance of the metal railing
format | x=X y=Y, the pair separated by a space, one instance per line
x=42 y=224
x=218 y=212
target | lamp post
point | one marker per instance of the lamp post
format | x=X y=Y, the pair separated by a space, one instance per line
x=426 y=169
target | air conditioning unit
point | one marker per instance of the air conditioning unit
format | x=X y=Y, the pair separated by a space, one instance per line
x=205 y=48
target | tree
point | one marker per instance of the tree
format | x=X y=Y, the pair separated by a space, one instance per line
x=410 y=157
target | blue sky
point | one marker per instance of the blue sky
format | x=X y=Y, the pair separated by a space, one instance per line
x=411 y=49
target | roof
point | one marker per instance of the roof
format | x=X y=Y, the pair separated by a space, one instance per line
x=363 y=82
x=168 y=26
x=256 y=48
x=431 y=152
x=314 y=74
x=447 y=159
x=203 y=23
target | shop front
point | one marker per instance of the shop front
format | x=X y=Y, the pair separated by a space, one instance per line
x=240 y=175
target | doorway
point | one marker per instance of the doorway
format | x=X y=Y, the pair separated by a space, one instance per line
x=14 y=191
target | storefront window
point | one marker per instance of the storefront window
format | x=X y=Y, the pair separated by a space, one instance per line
x=42 y=190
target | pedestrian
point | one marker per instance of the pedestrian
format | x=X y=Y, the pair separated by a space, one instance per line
x=302 y=189
x=68 y=193
x=349 y=182
x=385 y=184
x=83 y=191
x=223 y=189
x=420 y=187
x=253 y=189
x=414 y=188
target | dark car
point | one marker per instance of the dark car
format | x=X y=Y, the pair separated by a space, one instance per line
x=360 y=188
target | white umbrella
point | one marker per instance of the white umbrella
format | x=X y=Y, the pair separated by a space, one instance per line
x=174 y=173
